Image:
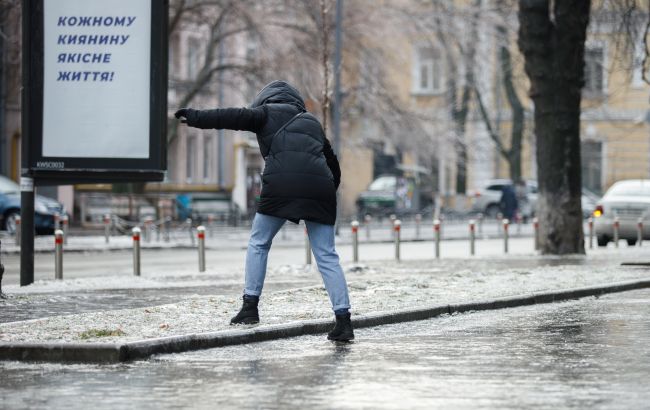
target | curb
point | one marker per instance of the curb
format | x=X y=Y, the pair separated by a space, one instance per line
x=121 y=352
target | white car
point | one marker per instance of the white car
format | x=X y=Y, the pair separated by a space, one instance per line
x=486 y=200
x=628 y=200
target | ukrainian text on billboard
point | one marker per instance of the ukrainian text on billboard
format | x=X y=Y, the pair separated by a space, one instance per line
x=96 y=78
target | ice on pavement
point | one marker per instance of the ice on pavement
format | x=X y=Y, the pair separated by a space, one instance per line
x=375 y=287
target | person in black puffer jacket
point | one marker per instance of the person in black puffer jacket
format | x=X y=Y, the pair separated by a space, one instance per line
x=299 y=182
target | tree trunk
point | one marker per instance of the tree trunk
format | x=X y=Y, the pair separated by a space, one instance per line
x=554 y=62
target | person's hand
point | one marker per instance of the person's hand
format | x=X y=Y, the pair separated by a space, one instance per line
x=187 y=116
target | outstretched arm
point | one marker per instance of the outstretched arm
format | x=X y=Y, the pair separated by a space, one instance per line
x=332 y=162
x=241 y=119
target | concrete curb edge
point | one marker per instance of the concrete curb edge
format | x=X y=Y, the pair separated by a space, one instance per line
x=121 y=352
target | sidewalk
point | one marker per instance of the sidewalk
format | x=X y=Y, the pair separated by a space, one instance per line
x=375 y=287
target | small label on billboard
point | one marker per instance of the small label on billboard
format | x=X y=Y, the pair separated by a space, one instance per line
x=26 y=184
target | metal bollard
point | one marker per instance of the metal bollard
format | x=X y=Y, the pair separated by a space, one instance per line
x=639 y=232
x=480 y=224
x=367 y=219
x=392 y=218
x=418 y=221
x=148 y=224
x=65 y=222
x=160 y=214
x=200 y=234
x=617 y=225
x=355 y=241
x=397 y=228
x=107 y=227
x=58 y=254
x=307 y=249
x=188 y=221
x=57 y=222
x=168 y=228
x=472 y=237
x=499 y=222
x=211 y=225
x=136 y=251
x=506 y=223
x=536 y=232
x=519 y=221
x=18 y=231
x=436 y=231
x=590 y=223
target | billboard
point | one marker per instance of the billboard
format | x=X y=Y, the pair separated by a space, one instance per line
x=96 y=88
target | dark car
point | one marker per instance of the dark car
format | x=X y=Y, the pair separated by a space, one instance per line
x=44 y=208
x=391 y=194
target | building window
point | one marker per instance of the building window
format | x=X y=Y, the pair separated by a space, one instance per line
x=428 y=76
x=193 y=57
x=190 y=158
x=594 y=70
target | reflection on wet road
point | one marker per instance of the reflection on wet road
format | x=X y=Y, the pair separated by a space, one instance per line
x=593 y=353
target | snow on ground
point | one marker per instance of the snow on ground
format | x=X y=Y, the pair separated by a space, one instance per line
x=378 y=286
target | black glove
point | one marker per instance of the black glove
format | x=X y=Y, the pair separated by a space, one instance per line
x=191 y=116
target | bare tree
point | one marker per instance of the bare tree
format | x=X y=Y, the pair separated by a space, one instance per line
x=222 y=20
x=513 y=154
x=552 y=39
x=458 y=55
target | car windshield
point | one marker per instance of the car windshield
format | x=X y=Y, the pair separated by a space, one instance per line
x=383 y=184
x=630 y=189
x=7 y=185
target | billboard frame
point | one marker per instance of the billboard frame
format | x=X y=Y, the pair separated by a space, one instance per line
x=71 y=170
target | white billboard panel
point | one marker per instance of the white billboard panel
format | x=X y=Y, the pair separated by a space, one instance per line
x=96 y=80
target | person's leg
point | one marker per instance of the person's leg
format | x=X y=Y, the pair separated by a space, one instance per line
x=264 y=229
x=322 y=242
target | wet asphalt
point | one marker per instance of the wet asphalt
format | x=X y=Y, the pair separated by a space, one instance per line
x=593 y=353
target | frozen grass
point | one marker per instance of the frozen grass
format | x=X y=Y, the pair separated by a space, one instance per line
x=382 y=286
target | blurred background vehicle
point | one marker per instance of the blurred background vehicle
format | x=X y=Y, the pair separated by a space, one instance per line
x=199 y=206
x=629 y=200
x=486 y=199
x=45 y=208
x=589 y=202
x=394 y=194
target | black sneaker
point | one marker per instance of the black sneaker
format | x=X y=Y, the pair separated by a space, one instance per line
x=342 y=331
x=248 y=315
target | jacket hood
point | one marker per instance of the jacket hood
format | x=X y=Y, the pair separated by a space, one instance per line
x=279 y=92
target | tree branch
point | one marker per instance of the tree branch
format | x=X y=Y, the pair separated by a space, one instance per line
x=488 y=124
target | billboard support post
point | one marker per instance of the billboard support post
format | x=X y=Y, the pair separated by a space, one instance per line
x=94 y=99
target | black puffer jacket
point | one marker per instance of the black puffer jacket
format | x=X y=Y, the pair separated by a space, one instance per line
x=301 y=173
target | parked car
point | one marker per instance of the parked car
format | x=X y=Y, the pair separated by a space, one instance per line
x=392 y=194
x=589 y=202
x=629 y=200
x=44 y=208
x=486 y=200
x=199 y=206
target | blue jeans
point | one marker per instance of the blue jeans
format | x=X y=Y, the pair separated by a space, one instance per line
x=265 y=227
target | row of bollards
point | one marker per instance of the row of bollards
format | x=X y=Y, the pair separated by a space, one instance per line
x=59 y=240
x=505 y=224
x=61 y=234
